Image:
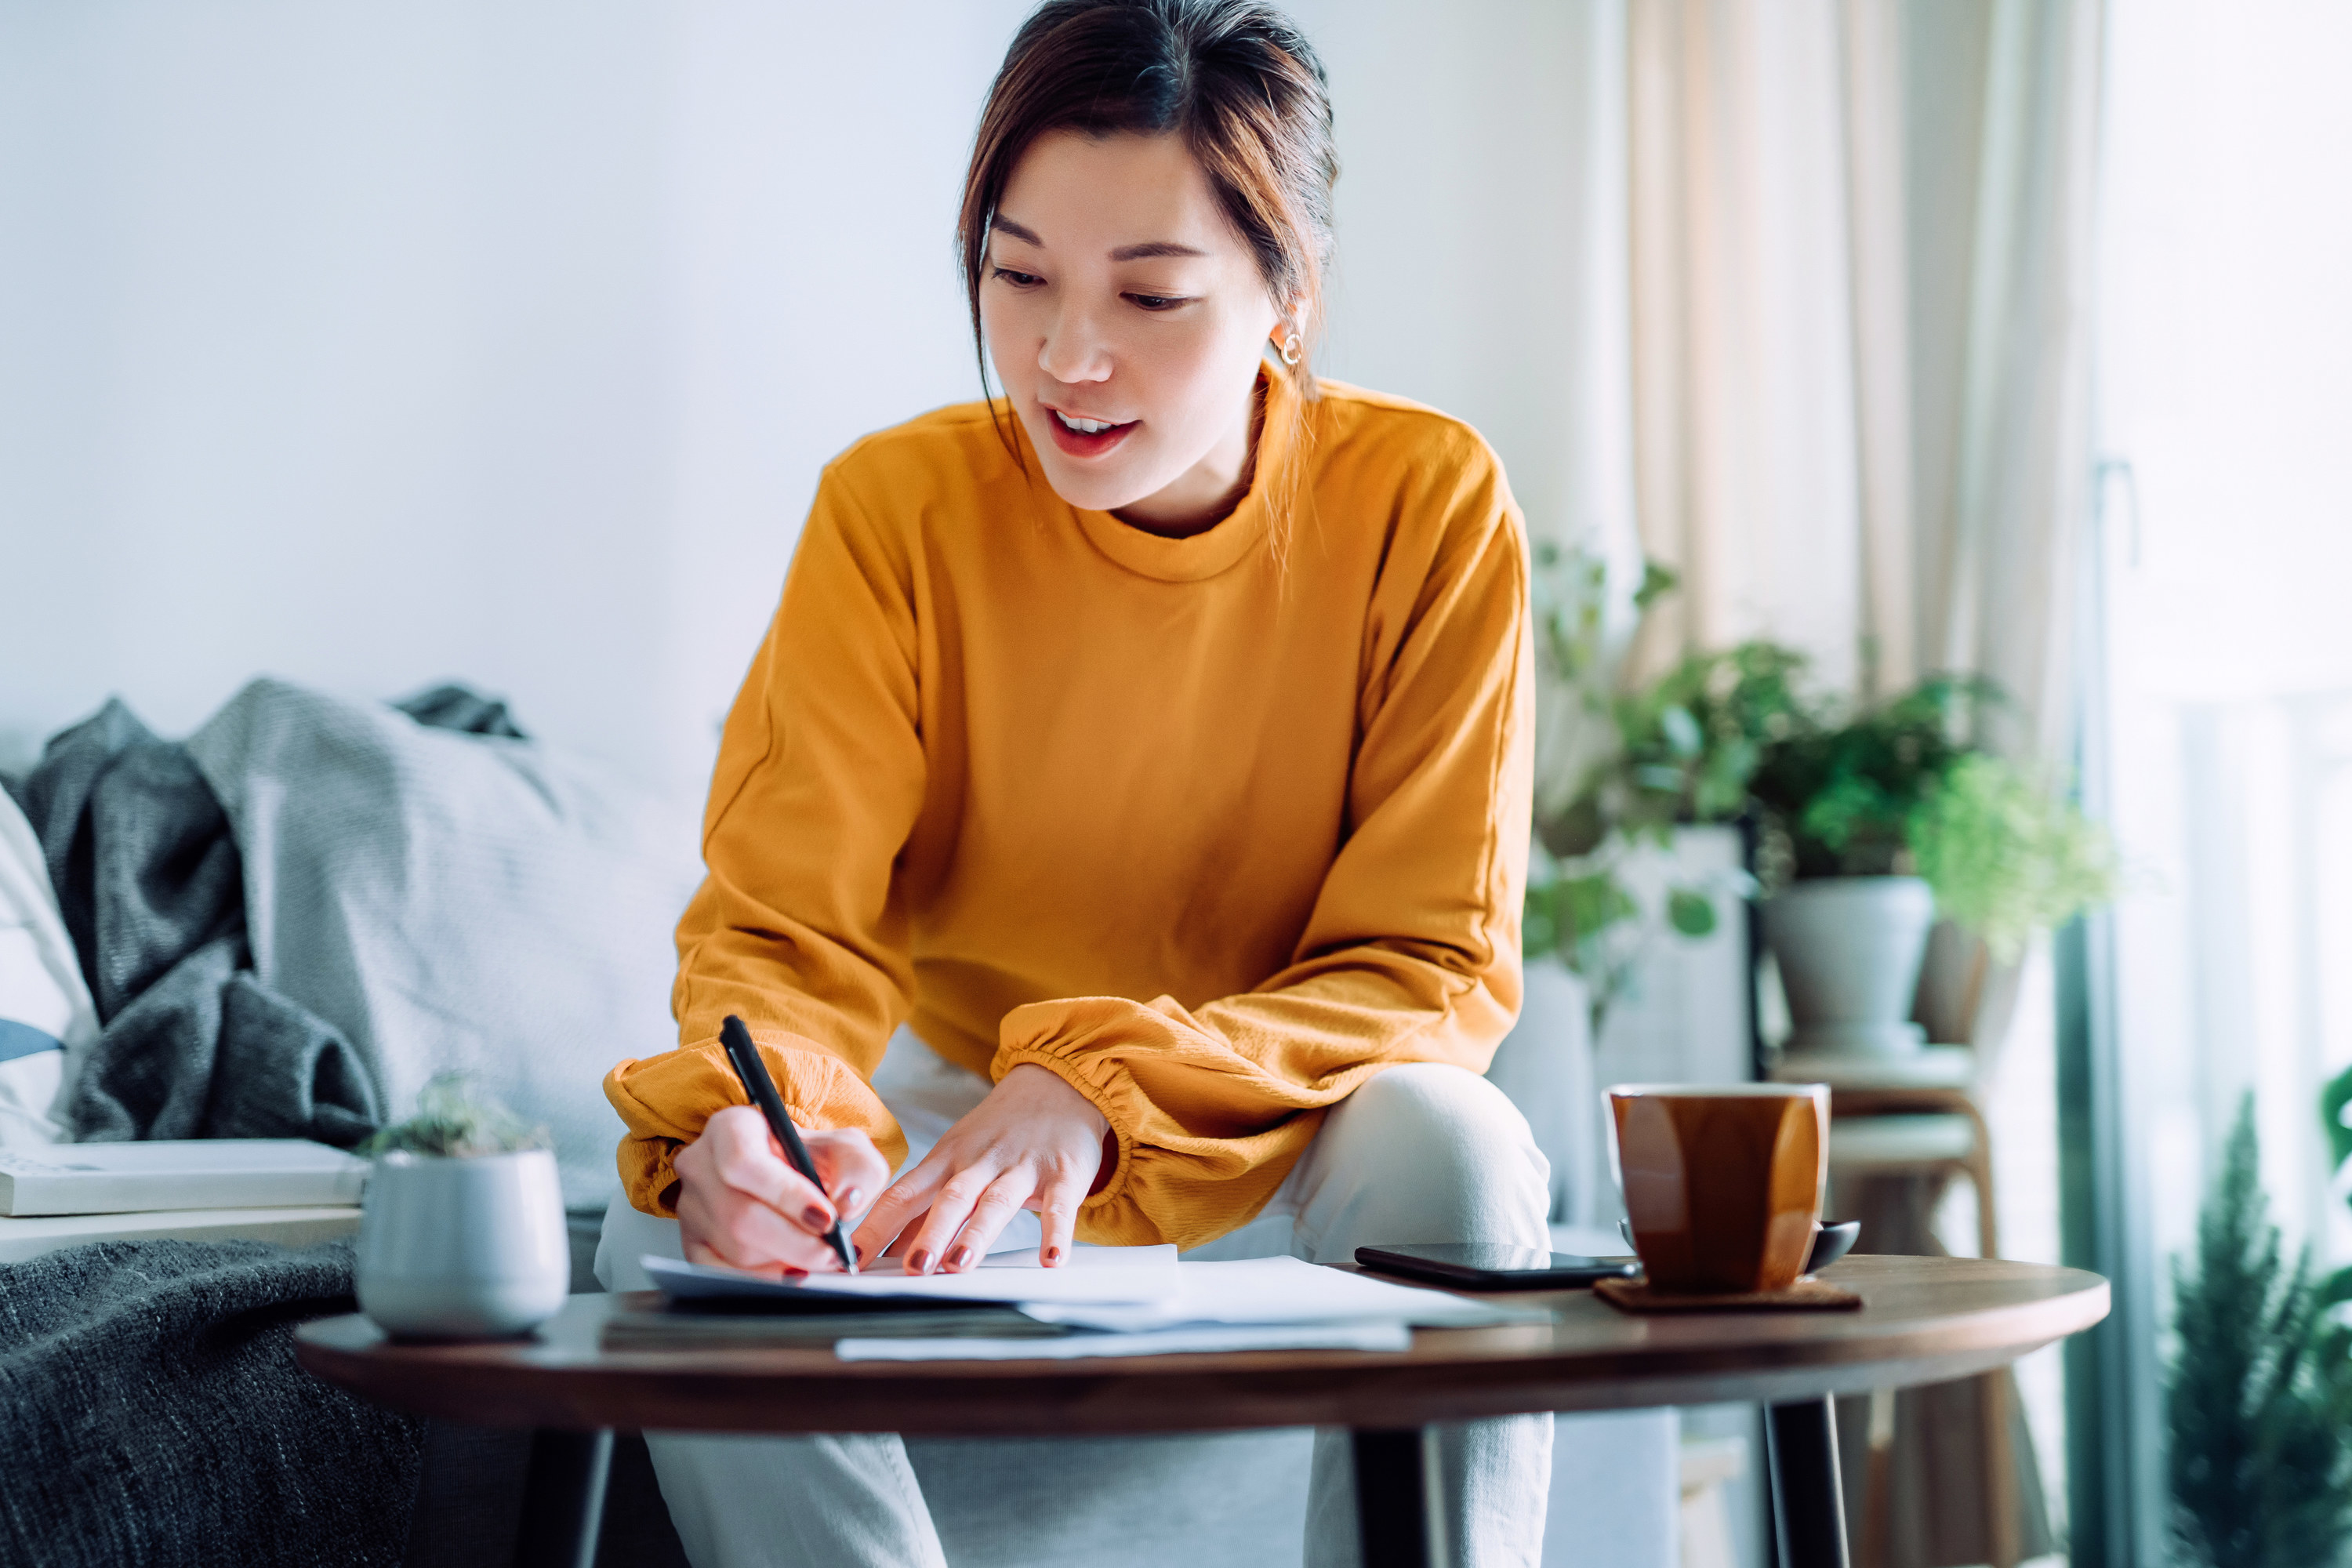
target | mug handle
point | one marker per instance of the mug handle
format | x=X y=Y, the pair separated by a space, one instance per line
x=1831 y=1242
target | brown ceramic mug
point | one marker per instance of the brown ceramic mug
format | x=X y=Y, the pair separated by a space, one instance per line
x=1722 y=1184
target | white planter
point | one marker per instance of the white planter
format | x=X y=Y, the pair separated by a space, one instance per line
x=1545 y=1065
x=1683 y=1016
x=1849 y=950
x=463 y=1248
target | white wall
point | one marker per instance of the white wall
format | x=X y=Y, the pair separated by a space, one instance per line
x=1482 y=247
x=503 y=339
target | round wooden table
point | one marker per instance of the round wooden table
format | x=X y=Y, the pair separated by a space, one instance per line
x=1923 y=1319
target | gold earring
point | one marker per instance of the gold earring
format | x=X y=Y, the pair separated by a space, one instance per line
x=1291 y=348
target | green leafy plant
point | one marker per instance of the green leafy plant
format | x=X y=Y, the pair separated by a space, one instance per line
x=1905 y=787
x=2257 y=1397
x=1898 y=787
x=452 y=1121
x=1620 y=770
x=2334 y=1099
x=2005 y=856
x=1685 y=749
x=1842 y=793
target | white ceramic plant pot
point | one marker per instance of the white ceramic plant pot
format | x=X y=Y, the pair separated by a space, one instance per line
x=1545 y=1065
x=470 y=1247
x=1849 y=948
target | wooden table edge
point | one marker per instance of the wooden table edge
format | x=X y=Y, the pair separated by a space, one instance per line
x=653 y=1390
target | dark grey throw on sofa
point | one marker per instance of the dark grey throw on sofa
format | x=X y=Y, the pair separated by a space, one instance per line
x=153 y=1415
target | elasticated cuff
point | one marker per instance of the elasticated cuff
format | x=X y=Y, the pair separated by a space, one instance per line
x=1097 y=1095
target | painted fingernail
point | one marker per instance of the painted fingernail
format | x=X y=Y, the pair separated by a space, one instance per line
x=849 y=1200
x=961 y=1256
x=817 y=1218
x=919 y=1261
x=1053 y=1255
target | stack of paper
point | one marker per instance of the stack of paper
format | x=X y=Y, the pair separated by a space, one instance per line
x=635 y=1329
x=1108 y=1305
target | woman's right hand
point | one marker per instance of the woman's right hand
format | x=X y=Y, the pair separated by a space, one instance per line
x=742 y=1204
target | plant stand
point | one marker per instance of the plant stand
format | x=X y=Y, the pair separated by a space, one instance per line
x=1884 y=1121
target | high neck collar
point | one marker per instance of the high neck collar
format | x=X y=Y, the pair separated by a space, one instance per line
x=1213 y=550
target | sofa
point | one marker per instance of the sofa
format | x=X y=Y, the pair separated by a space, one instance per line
x=356 y=855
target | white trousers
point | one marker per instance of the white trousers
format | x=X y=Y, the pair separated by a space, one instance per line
x=1419 y=1153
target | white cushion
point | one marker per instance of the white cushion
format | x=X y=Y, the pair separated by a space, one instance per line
x=28 y=1095
x=458 y=901
x=43 y=1004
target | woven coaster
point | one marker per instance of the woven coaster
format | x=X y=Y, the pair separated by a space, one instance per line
x=1807 y=1295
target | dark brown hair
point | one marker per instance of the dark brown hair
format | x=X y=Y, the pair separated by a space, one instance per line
x=1235 y=78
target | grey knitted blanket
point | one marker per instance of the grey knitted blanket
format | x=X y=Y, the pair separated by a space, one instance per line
x=153 y=1416
x=149 y=883
x=295 y=918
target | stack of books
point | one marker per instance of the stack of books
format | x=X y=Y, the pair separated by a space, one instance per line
x=287 y=1190
x=177 y=1174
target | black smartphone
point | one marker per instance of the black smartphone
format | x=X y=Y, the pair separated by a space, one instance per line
x=1494 y=1266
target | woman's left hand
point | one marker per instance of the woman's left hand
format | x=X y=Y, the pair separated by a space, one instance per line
x=1034 y=1144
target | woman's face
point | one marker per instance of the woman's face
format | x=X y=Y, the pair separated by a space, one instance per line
x=1126 y=320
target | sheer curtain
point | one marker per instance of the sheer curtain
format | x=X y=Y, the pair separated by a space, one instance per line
x=1860 y=241
x=2224 y=391
x=1744 y=437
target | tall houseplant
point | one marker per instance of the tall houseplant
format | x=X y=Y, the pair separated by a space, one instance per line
x=2257 y=1397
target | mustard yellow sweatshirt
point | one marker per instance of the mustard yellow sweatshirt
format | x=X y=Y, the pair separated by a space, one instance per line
x=1212 y=830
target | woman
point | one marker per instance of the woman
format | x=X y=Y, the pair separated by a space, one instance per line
x=1155 y=740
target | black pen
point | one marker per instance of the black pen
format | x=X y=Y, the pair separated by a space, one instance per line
x=744 y=1056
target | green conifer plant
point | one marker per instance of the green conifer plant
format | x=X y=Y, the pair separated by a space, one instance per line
x=2256 y=1398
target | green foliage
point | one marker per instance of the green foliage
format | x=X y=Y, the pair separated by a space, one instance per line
x=1905 y=786
x=2004 y=856
x=1690 y=912
x=1572 y=915
x=1902 y=786
x=452 y=1121
x=1680 y=750
x=1619 y=768
x=2333 y=1097
x=1844 y=793
x=1691 y=742
x=2258 y=1395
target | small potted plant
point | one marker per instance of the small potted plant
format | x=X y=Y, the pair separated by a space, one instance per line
x=1876 y=825
x=461 y=1233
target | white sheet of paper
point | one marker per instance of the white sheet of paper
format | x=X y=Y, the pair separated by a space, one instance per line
x=1162 y=1342
x=1083 y=1255
x=1132 y=1297
x=1282 y=1290
x=1098 y=1283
